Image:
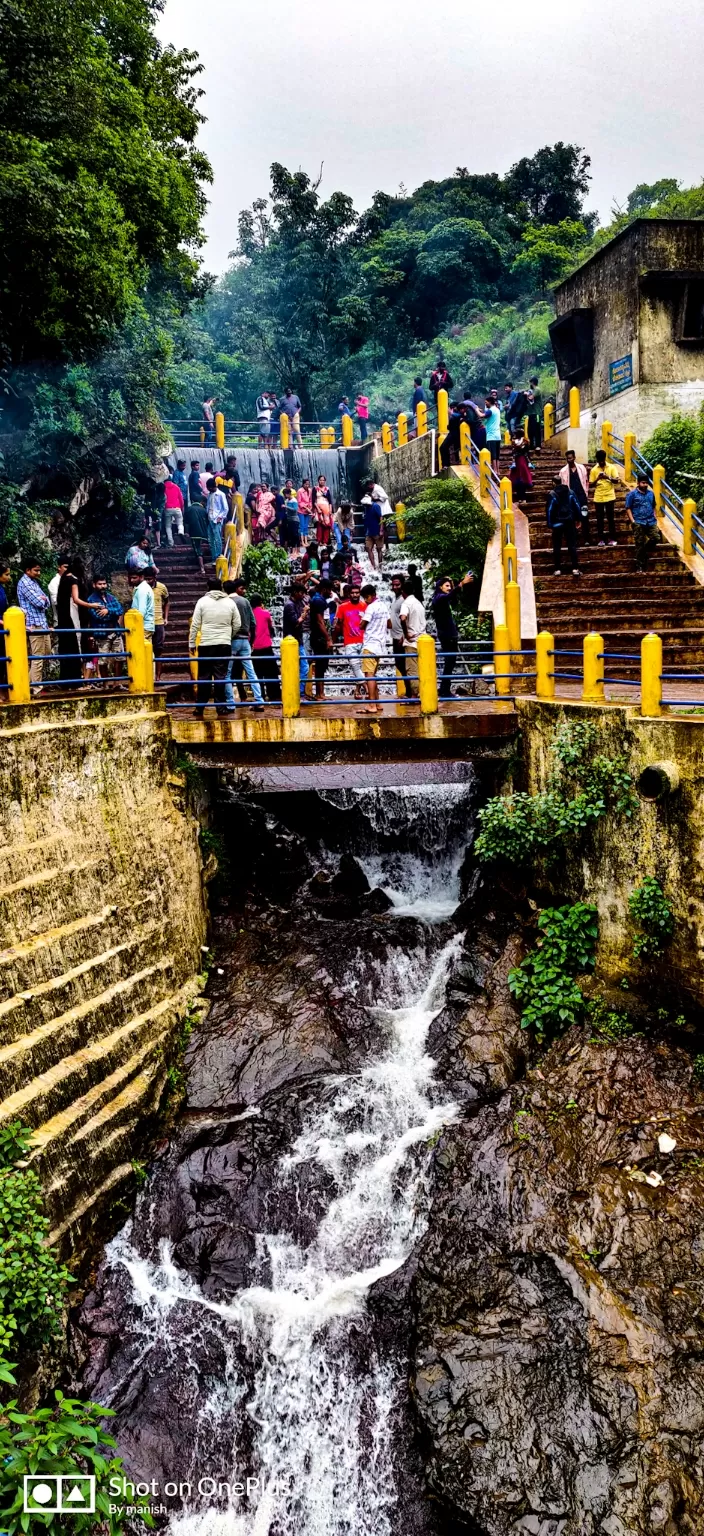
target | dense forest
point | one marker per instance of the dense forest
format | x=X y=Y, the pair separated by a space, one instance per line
x=109 y=325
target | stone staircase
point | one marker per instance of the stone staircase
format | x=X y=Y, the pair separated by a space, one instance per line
x=610 y=596
x=178 y=569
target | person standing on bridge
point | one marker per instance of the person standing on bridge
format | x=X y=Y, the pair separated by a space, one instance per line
x=375 y=625
x=295 y=615
x=446 y=593
x=216 y=620
x=208 y=421
x=263 y=654
x=412 y=616
x=291 y=407
x=348 y=628
x=604 y=477
x=361 y=406
x=241 y=658
x=35 y=603
x=320 y=635
x=641 y=509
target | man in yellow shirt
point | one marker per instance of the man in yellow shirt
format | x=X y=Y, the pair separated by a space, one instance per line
x=604 y=478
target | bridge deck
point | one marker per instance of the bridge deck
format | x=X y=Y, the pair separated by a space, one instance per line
x=344 y=725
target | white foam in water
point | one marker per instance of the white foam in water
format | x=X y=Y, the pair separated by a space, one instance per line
x=434 y=819
x=321 y=1424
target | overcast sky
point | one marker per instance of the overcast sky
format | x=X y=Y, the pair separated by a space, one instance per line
x=386 y=92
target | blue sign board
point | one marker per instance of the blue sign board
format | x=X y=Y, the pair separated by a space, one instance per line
x=620 y=374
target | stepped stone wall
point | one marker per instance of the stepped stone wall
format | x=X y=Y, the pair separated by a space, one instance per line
x=102 y=918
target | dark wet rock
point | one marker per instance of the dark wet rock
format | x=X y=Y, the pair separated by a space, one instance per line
x=559 y=1356
x=477 y=1040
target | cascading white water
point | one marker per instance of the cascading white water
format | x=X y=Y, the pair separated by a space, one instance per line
x=434 y=819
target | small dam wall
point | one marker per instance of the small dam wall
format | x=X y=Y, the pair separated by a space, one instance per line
x=102 y=918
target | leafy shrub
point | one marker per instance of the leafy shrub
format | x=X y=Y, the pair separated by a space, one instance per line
x=653 y=913
x=32 y=1282
x=448 y=528
x=262 y=564
x=544 y=983
x=608 y=1026
x=68 y=1438
x=678 y=444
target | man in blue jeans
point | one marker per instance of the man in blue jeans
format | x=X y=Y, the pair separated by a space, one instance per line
x=241 y=660
x=640 y=506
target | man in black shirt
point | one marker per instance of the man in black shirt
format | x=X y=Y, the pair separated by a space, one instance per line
x=416 y=583
x=320 y=635
x=295 y=615
x=195 y=489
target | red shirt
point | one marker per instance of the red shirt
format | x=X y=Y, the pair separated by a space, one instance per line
x=349 y=614
x=262 y=629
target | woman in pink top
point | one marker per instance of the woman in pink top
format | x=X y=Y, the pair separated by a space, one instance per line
x=263 y=655
x=361 y=406
x=322 y=508
x=265 y=514
x=305 y=507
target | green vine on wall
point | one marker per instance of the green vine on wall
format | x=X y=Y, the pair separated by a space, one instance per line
x=651 y=910
x=584 y=786
x=32 y=1282
x=544 y=984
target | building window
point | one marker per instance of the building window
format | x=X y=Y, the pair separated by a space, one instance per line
x=572 y=337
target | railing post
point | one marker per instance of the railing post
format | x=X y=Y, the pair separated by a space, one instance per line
x=593 y=682
x=148 y=665
x=387 y=437
x=658 y=477
x=507 y=438
x=651 y=675
x=509 y=558
x=400 y=510
x=513 y=617
x=465 y=444
x=219 y=430
x=347 y=431
x=548 y=421
x=505 y=494
x=421 y=419
x=689 y=508
x=284 y=431
x=525 y=426
x=502 y=660
x=443 y=413
x=508 y=531
x=402 y=429
x=290 y=677
x=136 y=654
x=427 y=675
x=545 y=665
x=222 y=570
x=484 y=471
x=13 y=620
x=606 y=433
x=574 y=406
x=629 y=448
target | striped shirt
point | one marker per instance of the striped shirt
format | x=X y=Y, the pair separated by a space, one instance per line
x=33 y=602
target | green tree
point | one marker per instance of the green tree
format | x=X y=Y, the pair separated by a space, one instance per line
x=678 y=444
x=552 y=184
x=549 y=250
x=649 y=195
x=449 y=528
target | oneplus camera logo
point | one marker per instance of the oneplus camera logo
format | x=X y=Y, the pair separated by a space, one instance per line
x=62 y=1495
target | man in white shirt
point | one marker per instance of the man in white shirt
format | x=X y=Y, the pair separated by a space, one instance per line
x=413 y=624
x=374 y=492
x=217 y=514
x=375 y=623
x=53 y=590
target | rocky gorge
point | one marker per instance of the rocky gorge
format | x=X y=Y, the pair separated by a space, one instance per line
x=394 y=1270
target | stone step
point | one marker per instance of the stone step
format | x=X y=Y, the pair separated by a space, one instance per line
x=110 y=1140
x=38 y=901
x=33 y=1057
x=27 y=1011
x=50 y=954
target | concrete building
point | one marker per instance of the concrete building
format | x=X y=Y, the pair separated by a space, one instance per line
x=630 y=328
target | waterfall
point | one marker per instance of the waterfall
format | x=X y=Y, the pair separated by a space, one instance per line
x=257 y=464
x=310 y=1417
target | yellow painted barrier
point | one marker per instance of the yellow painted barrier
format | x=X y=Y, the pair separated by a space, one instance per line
x=658 y=477
x=513 y=617
x=505 y=494
x=421 y=419
x=545 y=665
x=136 y=652
x=219 y=430
x=402 y=429
x=575 y=408
x=484 y=471
x=16 y=652
x=148 y=665
x=347 y=431
x=548 y=421
x=651 y=675
x=507 y=439
x=222 y=570
x=443 y=412
x=508 y=530
x=387 y=437
x=509 y=557
x=525 y=426
x=427 y=675
x=465 y=444
x=689 y=509
x=502 y=660
x=629 y=448
x=606 y=436
x=593 y=666
x=327 y=437
x=290 y=677
x=284 y=431
x=400 y=511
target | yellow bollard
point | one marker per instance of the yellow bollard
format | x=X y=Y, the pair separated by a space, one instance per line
x=400 y=510
x=513 y=617
x=505 y=494
x=421 y=419
x=509 y=558
x=507 y=439
x=484 y=471
x=651 y=675
x=136 y=652
x=574 y=406
x=629 y=448
x=502 y=660
x=689 y=508
x=284 y=431
x=593 y=681
x=658 y=477
x=148 y=665
x=548 y=421
x=427 y=675
x=508 y=531
x=387 y=437
x=221 y=569
x=13 y=620
x=443 y=412
x=465 y=444
x=606 y=435
x=290 y=677
x=545 y=665
x=219 y=430
x=347 y=431
x=402 y=429
x=525 y=426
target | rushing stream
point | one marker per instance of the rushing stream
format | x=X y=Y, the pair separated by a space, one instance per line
x=302 y=1395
